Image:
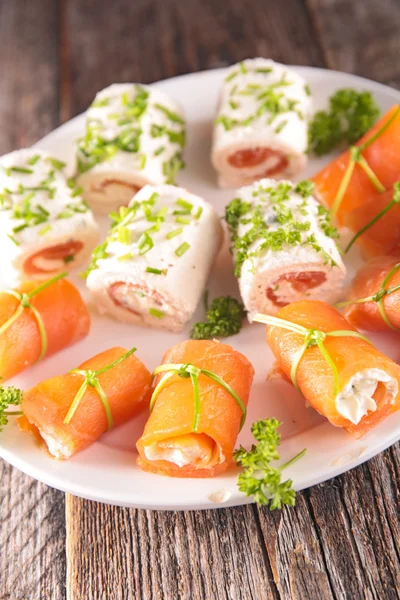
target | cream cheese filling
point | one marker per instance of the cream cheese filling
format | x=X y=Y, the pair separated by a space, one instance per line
x=356 y=398
x=190 y=455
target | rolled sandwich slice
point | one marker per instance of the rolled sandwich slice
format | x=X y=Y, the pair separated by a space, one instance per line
x=70 y=412
x=153 y=267
x=284 y=246
x=197 y=409
x=45 y=226
x=261 y=125
x=338 y=371
x=134 y=136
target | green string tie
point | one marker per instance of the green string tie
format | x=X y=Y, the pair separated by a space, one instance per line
x=25 y=303
x=187 y=371
x=378 y=297
x=357 y=158
x=91 y=380
x=312 y=337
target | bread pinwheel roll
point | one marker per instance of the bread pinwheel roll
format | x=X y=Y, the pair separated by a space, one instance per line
x=284 y=246
x=45 y=226
x=261 y=125
x=135 y=135
x=153 y=267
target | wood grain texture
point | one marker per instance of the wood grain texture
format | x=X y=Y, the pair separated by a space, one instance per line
x=359 y=37
x=32 y=516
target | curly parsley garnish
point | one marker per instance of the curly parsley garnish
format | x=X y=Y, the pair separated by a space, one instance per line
x=259 y=479
x=9 y=396
x=224 y=318
x=350 y=115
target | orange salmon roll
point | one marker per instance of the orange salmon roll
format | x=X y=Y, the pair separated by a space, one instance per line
x=376 y=224
x=379 y=149
x=337 y=370
x=39 y=320
x=71 y=411
x=374 y=299
x=195 y=420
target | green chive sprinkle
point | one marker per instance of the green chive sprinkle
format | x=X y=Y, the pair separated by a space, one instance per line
x=145 y=243
x=159 y=314
x=263 y=70
x=34 y=159
x=69 y=259
x=71 y=182
x=159 y=151
x=12 y=238
x=198 y=213
x=243 y=67
x=127 y=256
x=124 y=235
x=44 y=230
x=231 y=76
x=182 y=249
x=142 y=162
x=170 y=114
x=77 y=192
x=155 y=271
x=234 y=105
x=184 y=204
x=182 y=220
x=174 y=233
x=21 y=170
x=57 y=164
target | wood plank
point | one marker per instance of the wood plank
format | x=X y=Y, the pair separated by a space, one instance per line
x=148 y=40
x=120 y=554
x=359 y=37
x=32 y=534
x=342 y=539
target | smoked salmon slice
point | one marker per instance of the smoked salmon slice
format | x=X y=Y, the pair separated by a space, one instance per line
x=37 y=321
x=338 y=371
x=188 y=438
x=376 y=224
x=372 y=305
x=382 y=157
x=69 y=421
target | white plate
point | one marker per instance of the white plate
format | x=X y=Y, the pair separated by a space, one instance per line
x=107 y=470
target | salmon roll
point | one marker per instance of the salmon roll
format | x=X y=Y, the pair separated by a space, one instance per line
x=376 y=224
x=338 y=371
x=154 y=265
x=135 y=135
x=372 y=165
x=197 y=409
x=45 y=227
x=70 y=412
x=284 y=246
x=373 y=303
x=261 y=126
x=37 y=321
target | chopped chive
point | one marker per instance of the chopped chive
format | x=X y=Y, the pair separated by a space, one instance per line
x=281 y=125
x=264 y=70
x=198 y=213
x=231 y=76
x=77 y=192
x=182 y=220
x=159 y=151
x=20 y=228
x=181 y=212
x=71 y=182
x=174 y=233
x=153 y=198
x=187 y=205
x=145 y=243
x=12 y=238
x=127 y=256
x=180 y=251
x=124 y=235
x=233 y=90
x=234 y=105
x=307 y=89
x=159 y=314
x=57 y=164
x=170 y=114
x=156 y=271
x=142 y=162
x=243 y=67
x=100 y=102
x=44 y=230
x=154 y=228
x=34 y=159
x=21 y=170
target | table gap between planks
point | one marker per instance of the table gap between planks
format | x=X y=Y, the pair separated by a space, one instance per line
x=342 y=540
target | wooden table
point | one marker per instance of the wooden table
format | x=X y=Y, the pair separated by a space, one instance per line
x=342 y=540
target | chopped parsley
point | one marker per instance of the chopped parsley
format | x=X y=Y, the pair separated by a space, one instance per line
x=224 y=318
x=349 y=116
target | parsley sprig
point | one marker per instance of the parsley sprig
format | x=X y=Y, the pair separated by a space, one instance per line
x=224 y=318
x=8 y=396
x=350 y=115
x=259 y=478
